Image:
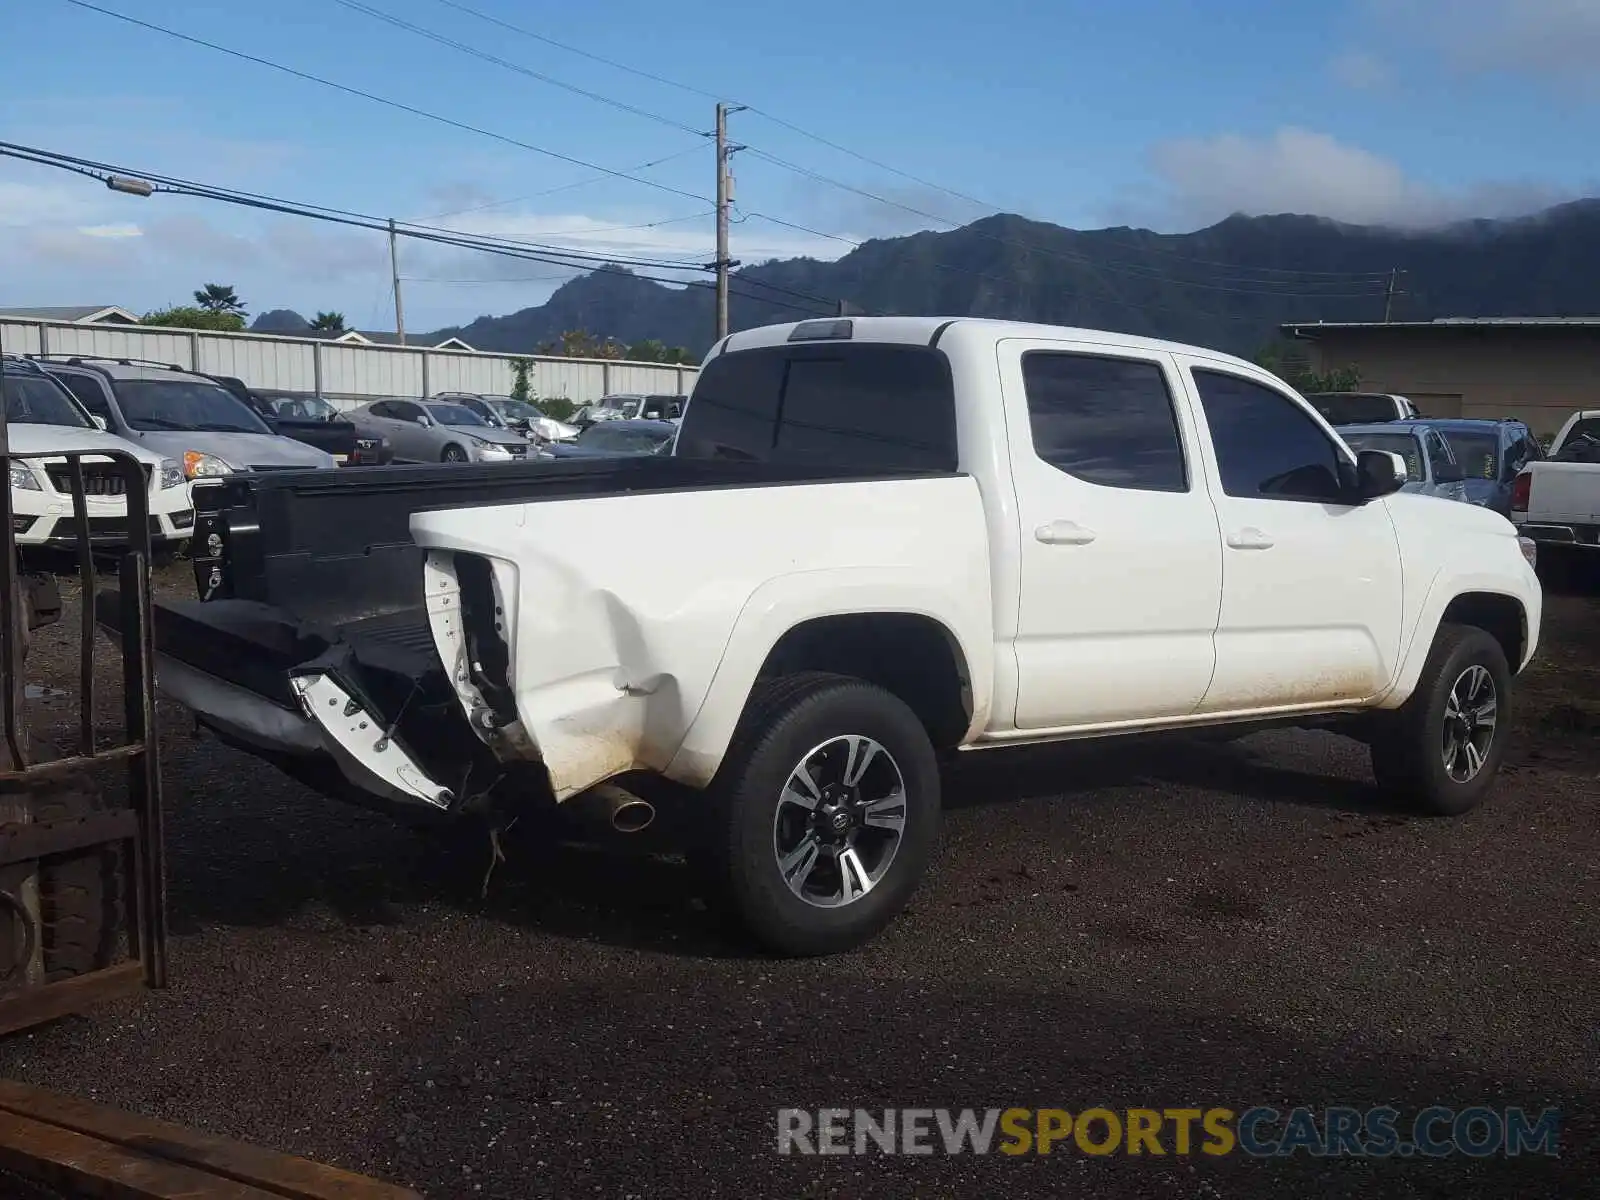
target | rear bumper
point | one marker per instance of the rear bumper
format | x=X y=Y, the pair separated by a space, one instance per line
x=1554 y=534
x=366 y=699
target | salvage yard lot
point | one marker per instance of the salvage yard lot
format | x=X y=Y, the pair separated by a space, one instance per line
x=1157 y=924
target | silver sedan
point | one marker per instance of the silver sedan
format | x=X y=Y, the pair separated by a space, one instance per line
x=439 y=431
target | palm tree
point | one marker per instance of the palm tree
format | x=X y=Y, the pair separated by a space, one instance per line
x=219 y=298
x=332 y=322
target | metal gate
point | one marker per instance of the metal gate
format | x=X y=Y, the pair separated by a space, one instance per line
x=61 y=813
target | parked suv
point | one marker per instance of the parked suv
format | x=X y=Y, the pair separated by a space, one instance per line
x=43 y=419
x=1492 y=454
x=1431 y=469
x=180 y=415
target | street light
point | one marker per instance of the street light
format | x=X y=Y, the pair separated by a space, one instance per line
x=133 y=187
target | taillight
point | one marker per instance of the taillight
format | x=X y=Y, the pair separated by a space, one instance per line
x=1520 y=487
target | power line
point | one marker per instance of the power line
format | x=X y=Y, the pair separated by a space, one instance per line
x=485 y=56
x=469 y=10
x=501 y=247
x=556 y=255
x=565 y=187
x=571 y=49
x=384 y=100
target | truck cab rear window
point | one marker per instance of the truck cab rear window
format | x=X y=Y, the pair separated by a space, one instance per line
x=869 y=406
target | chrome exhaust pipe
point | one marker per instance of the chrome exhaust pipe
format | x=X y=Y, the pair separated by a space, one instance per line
x=618 y=808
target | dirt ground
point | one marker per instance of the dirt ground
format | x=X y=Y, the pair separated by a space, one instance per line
x=1141 y=926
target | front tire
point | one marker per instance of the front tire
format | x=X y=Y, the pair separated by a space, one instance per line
x=1440 y=751
x=453 y=454
x=823 y=814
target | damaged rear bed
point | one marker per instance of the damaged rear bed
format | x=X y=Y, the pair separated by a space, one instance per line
x=310 y=645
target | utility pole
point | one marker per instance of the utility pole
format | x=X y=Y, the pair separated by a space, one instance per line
x=394 y=276
x=724 y=201
x=1389 y=294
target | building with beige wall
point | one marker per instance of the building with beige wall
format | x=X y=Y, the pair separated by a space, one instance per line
x=1537 y=369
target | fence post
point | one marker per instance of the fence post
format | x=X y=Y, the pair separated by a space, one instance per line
x=316 y=367
x=426 y=391
x=194 y=351
x=44 y=339
x=605 y=379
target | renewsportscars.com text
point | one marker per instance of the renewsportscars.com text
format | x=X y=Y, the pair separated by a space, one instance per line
x=1477 y=1131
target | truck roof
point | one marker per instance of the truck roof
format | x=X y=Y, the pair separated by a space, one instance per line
x=924 y=331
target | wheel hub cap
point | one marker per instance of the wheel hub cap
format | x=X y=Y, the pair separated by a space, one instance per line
x=1471 y=717
x=839 y=821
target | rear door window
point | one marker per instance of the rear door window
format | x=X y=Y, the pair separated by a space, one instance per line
x=1108 y=421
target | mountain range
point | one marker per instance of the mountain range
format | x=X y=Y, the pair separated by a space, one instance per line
x=1228 y=286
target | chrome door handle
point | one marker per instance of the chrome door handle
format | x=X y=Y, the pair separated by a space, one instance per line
x=1249 y=538
x=1064 y=533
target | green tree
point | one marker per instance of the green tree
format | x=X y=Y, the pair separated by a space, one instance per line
x=332 y=322
x=1290 y=363
x=558 y=407
x=219 y=298
x=576 y=343
x=649 y=350
x=188 y=316
x=522 y=381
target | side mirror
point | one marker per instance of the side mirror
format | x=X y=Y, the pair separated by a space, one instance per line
x=100 y=422
x=1448 y=473
x=1379 y=473
x=425 y=421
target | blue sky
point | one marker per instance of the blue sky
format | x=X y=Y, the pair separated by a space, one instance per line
x=1167 y=114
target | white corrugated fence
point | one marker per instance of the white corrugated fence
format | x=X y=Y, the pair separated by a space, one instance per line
x=346 y=375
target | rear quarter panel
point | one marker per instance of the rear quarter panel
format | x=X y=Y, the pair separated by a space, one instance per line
x=639 y=622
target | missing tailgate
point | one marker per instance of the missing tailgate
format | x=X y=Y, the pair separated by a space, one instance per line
x=483 y=626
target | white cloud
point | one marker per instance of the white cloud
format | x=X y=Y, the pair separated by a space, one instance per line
x=1360 y=71
x=1551 y=40
x=1301 y=171
x=111 y=231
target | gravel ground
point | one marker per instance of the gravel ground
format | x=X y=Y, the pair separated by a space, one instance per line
x=1159 y=925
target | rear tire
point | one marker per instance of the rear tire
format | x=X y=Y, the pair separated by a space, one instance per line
x=819 y=868
x=453 y=454
x=1439 y=752
x=80 y=895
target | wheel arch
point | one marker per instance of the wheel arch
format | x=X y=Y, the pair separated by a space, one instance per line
x=1502 y=614
x=897 y=636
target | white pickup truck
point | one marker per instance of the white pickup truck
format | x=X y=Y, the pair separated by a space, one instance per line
x=1556 y=500
x=878 y=540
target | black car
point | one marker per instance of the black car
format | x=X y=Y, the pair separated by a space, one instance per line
x=310 y=419
x=616 y=439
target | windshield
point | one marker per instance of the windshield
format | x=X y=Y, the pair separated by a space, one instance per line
x=516 y=410
x=155 y=404
x=1478 y=453
x=607 y=436
x=1350 y=408
x=1402 y=444
x=455 y=414
x=302 y=408
x=1588 y=427
x=35 y=400
x=628 y=406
